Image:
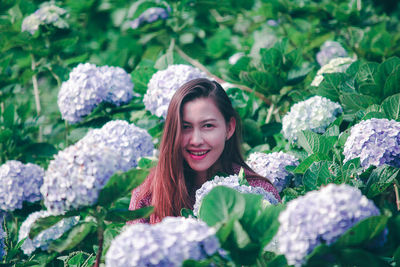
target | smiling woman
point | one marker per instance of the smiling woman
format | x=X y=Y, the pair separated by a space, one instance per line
x=201 y=138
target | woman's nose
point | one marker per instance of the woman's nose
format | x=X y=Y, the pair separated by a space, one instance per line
x=196 y=138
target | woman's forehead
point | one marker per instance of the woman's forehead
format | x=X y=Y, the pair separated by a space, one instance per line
x=200 y=110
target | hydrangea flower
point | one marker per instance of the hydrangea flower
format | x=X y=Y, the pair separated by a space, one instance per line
x=163 y=85
x=77 y=174
x=130 y=141
x=43 y=239
x=339 y=64
x=375 y=142
x=2 y=236
x=168 y=243
x=330 y=50
x=88 y=86
x=150 y=15
x=47 y=14
x=232 y=181
x=315 y=114
x=18 y=183
x=320 y=217
x=272 y=166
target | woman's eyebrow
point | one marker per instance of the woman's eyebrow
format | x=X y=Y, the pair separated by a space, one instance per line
x=203 y=121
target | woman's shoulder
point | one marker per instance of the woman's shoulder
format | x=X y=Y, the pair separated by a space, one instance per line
x=139 y=199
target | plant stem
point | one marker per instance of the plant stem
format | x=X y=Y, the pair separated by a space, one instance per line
x=100 y=237
x=269 y=115
x=36 y=93
x=396 y=191
x=218 y=79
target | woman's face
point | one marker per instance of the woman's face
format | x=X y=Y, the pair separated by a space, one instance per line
x=204 y=134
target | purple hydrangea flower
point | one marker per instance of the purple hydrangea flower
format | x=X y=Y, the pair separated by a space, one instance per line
x=88 y=86
x=315 y=114
x=77 y=174
x=43 y=239
x=18 y=183
x=168 y=243
x=2 y=236
x=320 y=217
x=375 y=142
x=233 y=182
x=164 y=83
x=272 y=166
x=150 y=15
x=330 y=50
x=47 y=14
x=339 y=64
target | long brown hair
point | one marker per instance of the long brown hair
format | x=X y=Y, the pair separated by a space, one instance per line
x=168 y=182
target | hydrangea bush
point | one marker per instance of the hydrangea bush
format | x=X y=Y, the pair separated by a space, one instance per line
x=315 y=114
x=375 y=142
x=163 y=85
x=339 y=64
x=150 y=15
x=88 y=86
x=47 y=14
x=272 y=166
x=330 y=50
x=18 y=183
x=44 y=238
x=168 y=243
x=77 y=174
x=232 y=181
x=299 y=233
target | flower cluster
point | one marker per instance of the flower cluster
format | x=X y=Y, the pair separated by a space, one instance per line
x=168 y=243
x=150 y=15
x=272 y=166
x=43 y=239
x=2 y=236
x=18 y=183
x=375 y=142
x=315 y=114
x=88 y=86
x=47 y=14
x=330 y=50
x=163 y=85
x=339 y=64
x=299 y=233
x=232 y=181
x=78 y=173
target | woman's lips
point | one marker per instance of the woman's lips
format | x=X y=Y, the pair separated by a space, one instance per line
x=198 y=155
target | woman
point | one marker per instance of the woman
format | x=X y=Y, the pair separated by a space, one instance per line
x=201 y=137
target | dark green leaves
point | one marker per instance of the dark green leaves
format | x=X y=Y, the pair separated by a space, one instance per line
x=315 y=143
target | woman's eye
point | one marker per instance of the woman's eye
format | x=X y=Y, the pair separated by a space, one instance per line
x=186 y=126
x=208 y=125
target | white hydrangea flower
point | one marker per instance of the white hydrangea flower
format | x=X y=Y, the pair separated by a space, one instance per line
x=272 y=166
x=18 y=183
x=77 y=174
x=335 y=65
x=164 y=83
x=47 y=14
x=233 y=182
x=330 y=50
x=168 y=243
x=88 y=86
x=43 y=239
x=315 y=114
x=320 y=217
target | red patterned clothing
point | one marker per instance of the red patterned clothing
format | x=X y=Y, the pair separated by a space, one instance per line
x=252 y=178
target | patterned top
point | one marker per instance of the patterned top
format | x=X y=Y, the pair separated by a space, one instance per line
x=252 y=178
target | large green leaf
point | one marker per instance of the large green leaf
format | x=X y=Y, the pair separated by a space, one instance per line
x=306 y=163
x=119 y=185
x=380 y=179
x=220 y=205
x=318 y=174
x=315 y=143
x=392 y=84
x=266 y=224
x=362 y=232
x=391 y=106
x=330 y=86
x=123 y=215
x=354 y=102
x=385 y=69
x=358 y=257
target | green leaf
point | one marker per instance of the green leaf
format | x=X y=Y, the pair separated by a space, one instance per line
x=187 y=213
x=355 y=102
x=391 y=106
x=8 y=116
x=271 y=57
x=5 y=135
x=266 y=224
x=330 y=86
x=380 y=179
x=385 y=69
x=318 y=174
x=270 y=129
x=306 y=163
x=396 y=256
x=315 y=143
x=42 y=224
x=119 y=185
x=239 y=236
x=40 y=150
x=392 y=85
x=124 y=215
x=220 y=205
x=142 y=75
x=253 y=205
x=73 y=237
x=362 y=232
